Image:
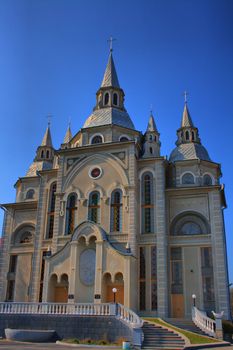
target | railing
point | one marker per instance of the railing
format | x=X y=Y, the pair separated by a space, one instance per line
x=128 y=316
x=57 y=309
x=206 y=324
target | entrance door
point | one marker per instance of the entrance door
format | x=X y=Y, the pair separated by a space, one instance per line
x=61 y=294
x=119 y=293
x=177 y=303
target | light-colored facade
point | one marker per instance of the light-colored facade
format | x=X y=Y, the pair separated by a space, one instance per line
x=107 y=210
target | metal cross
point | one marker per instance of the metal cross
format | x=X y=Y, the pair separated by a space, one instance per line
x=49 y=116
x=151 y=109
x=185 y=94
x=111 y=41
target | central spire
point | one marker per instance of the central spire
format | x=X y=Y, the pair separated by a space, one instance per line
x=110 y=78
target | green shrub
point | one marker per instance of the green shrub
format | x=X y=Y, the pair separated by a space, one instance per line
x=227 y=327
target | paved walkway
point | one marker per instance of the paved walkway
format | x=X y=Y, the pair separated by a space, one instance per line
x=11 y=345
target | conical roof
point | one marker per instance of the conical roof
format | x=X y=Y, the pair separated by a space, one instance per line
x=186 y=118
x=151 y=124
x=47 y=139
x=110 y=75
x=68 y=135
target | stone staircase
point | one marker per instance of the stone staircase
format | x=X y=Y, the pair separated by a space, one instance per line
x=156 y=337
x=185 y=324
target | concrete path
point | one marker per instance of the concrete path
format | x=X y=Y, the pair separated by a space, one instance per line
x=11 y=345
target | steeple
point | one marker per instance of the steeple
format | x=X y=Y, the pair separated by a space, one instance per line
x=188 y=132
x=151 y=147
x=47 y=139
x=44 y=155
x=109 y=108
x=188 y=141
x=186 y=118
x=110 y=78
x=68 y=135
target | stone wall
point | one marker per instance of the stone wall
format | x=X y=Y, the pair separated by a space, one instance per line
x=69 y=326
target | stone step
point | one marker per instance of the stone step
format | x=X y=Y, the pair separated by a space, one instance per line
x=157 y=337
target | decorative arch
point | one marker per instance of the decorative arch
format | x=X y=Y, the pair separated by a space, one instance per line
x=145 y=170
x=124 y=138
x=189 y=223
x=116 y=211
x=23 y=234
x=88 y=229
x=71 y=207
x=107 y=158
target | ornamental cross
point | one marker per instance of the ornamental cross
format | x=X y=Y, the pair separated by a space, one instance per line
x=111 y=41
x=185 y=94
x=49 y=116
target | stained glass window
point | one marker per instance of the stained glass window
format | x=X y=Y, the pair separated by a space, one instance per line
x=142 y=279
x=94 y=207
x=147 y=203
x=70 y=213
x=153 y=279
x=116 y=210
x=51 y=210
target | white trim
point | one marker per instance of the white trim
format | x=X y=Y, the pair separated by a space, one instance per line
x=123 y=135
x=146 y=170
x=96 y=134
x=92 y=168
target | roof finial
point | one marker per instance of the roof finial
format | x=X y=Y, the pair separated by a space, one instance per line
x=185 y=94
x=111 y=41
x=151 y=109
x=49 y=116
x=69 y=123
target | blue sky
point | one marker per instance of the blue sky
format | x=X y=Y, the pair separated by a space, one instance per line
x=53 y=56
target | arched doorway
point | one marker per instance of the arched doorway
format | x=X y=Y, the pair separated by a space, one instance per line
x=108 y=285
x=61 y=290
x=58 y=291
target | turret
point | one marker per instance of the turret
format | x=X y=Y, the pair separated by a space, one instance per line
x=151 y=147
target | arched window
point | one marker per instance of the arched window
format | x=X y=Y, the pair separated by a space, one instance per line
x=30 y=194
x=51 y=210
x=70 y=213
x=187 y=135
x=193 y=136
x=189 y=224
x=42 y=154
x=190 y=228
x=94 y=207
x=116 y=211
x=47 y=154
x=115 y=99
x=151 y=150
x=124 y=139
x=106 y=98
x=188 y=179
x=151 y=137
x=207 y=180
x=147 y=203
x=97 y=139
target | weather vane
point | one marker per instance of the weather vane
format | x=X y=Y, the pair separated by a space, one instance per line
x=111 y=41
x=185 y=94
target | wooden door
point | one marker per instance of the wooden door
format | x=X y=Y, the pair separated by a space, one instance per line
x=119 y=293
x=61 y=294
x=177 y=305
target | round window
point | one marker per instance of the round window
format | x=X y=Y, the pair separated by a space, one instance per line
x=95 y=173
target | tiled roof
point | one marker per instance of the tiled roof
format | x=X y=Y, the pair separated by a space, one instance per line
x=189 y=151
x=151 y=124
x=186 y=118
x=105 y=116
x=68 y=136
x=47 y=139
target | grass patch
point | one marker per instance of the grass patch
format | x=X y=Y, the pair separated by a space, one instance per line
x=193 y=337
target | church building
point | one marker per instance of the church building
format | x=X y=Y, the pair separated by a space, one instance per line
x=106 y=210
